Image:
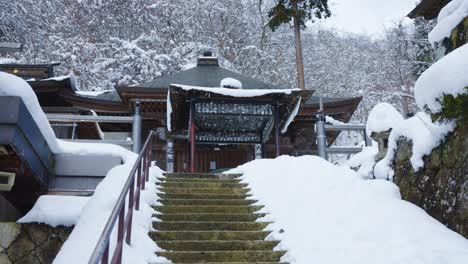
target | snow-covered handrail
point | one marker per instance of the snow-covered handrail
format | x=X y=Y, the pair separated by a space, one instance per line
x=140 y=174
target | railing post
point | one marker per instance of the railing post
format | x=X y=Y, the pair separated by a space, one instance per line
x=136 y=127
x=131 y=202
x=137 y=206
x=321 y=133
x=143 y=176
x=120 y=235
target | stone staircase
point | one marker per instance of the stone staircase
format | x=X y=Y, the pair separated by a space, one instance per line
x=209 y=218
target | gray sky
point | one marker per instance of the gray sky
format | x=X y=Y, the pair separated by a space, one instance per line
x=367 y=16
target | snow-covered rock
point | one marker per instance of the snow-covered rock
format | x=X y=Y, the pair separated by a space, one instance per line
x=382 y=118
x=424 y=134
x=324 y=213
x=449 y=18
x=447 y=76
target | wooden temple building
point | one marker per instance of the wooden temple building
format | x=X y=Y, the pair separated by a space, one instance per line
x=207 y=127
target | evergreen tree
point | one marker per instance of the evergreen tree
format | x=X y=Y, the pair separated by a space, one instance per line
x=299 y=11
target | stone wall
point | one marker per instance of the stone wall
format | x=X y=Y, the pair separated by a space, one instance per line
x=30 y=243
x=441 y=187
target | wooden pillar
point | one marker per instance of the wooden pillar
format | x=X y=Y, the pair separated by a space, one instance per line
x=192 y=139
x=277 y=130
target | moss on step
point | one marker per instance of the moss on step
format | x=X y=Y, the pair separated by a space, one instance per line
x=182 y=209
x=217 y=245
x=202 y=185
x=201 y=196
x=222 y=256
x=206 y=226
x=208 y=235
x=207 y=202
x=210 y=217
x=205 y=190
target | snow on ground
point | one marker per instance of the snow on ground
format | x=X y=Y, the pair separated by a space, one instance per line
x=382 y=117
x=82 y=241
x=91 y=214
x=424 y=134
x=56 y=210
x=449 y=18
x=230 y=83
x=327 y=214
x=446 y=76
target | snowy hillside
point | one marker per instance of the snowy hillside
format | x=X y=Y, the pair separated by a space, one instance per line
x=327 y=214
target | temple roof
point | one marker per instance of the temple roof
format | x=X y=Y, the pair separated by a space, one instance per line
x=429 y=9
x=207 y=73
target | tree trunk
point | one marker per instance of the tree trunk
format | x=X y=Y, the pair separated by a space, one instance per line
x=299 y=61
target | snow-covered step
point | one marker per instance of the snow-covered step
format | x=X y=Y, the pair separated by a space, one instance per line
x=210 y=217
x=205 y=190
x=217 y=245
x=223 y=256
x=212 y=184
x=186 y=179
x=208 y=235
x=201 y=196
x=207 y=226
x=207 y=201
x=183 y=209
x=203 y=175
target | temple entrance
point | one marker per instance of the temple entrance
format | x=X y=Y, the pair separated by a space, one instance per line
x=224 y=127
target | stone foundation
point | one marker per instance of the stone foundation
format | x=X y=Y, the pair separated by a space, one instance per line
x=30 y=243
x=441 y=187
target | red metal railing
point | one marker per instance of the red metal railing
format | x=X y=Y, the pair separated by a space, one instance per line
x=139 y=175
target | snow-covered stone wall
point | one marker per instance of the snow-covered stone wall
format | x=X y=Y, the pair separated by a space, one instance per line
x=441 y=186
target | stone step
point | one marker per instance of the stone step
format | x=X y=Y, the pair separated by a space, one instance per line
x=208 y=235
x=203 y=175
x=206 y=226
x=186 y=179
x=202 y=185
x=183 y=209
x=229 y=262
x=207 y=201
x=205 y=190
x=210 y=217
x=206 y=196
x=222 y=256
x=217 y=245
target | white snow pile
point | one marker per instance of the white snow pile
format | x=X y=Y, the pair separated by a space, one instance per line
x=56 y=210
x=424 y=135
x=91 y=214
x=449 y=18
x=91 y=93
x=82 y=241
x=446 y=76
x=324 y=213
x=363 y=162
x=333 y=121
x=382 y=118
x=230 y=83
x=236 y=92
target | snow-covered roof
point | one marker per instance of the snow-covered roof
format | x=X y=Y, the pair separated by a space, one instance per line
x=449 y=18
x=235 y=92
x=206 y=75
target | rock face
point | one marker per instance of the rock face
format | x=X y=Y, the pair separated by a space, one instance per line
x=30 y=243
x=441 y=187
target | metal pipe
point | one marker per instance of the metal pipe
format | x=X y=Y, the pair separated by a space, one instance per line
x=86 y=118
x=136 y=128
x=320 y=132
